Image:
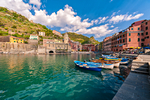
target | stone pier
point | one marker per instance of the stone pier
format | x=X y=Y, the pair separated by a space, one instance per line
x=137 y=84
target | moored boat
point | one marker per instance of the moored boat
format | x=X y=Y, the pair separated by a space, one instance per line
x=108 y=66
x=88 y=66
x=124 y=61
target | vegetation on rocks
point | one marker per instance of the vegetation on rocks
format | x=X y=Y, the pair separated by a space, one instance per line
x=82 y=39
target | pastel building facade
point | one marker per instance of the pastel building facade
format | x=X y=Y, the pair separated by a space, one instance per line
x=107 y=44
x=75 y=46
x=136 y=35
x=57 y=46
x=88 y=47
x=41 y=33
x=11 y=39
x=57 y=33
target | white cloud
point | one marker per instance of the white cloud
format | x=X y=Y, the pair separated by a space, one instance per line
x=111 y=26
x=111 y=0
x=18 y=6
x=126 y=17
x=67 y=19
x=99 y=31
x=35 y=2
x=133 y=17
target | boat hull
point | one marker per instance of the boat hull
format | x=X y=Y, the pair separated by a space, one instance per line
x=108 y=66
x=116 y=64
x=88 y=66
x=124 y=62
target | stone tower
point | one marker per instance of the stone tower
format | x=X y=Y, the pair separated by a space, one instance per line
x=66 y=38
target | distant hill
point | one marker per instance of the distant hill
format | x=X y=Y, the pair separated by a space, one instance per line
x=82 y=39
x=20 y=25
x=10 y=21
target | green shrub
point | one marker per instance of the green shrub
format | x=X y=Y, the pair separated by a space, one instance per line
x=26 y=36
x=14 y=26
x=6 y=28
x=2 y=33
x=26 y=42
x=3 y=9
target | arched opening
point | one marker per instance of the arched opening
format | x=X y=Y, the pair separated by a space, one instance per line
x=51 y=52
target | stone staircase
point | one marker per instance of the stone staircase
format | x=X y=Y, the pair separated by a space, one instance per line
x=140 y=67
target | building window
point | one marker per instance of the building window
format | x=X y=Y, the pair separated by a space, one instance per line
x=123 y=35
x=147 y=37
x=142 y=44
x=123 y=40
x=138 y=34
x=142 y=34
x=138 y=39
x=146 y=23
x=120 y=41
x=129 y=34
x=131 y=28
x=129 y=39
x=49 y=45
x=142 y=39
x=14 y=41
x=138 y=28
x=120 y=36
x=146 y=33
x=146 y=28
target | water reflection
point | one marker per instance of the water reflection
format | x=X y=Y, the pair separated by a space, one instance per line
x=55 y=77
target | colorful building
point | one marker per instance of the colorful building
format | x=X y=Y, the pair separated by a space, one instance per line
x=11 y=39
x=88 y=47
x=33 y=37
x=107 y=44
x=16 y=39
x=136 y=35
x=41 y=33
x=75 y=46
x=57 y=33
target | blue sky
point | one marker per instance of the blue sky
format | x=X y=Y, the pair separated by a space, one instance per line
x=98 y=18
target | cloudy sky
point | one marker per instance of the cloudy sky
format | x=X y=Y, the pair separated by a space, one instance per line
x=98 y=18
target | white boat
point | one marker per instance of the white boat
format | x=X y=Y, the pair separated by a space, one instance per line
x=116 y=64
x=108 y=66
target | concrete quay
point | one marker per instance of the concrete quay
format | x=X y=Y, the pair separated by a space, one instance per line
x=137 y=84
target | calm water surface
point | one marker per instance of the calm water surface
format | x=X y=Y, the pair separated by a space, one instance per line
x=55 y=77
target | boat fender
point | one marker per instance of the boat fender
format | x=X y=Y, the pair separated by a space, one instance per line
x=80 y=66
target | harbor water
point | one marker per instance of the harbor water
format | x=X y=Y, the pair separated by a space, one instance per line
x=55 y=77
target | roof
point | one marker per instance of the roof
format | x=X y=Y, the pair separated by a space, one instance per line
x=138 y=23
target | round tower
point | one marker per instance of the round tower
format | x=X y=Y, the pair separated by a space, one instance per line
x=66 y=38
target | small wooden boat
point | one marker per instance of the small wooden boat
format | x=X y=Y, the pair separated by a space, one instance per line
x=115 y=63
x=88 y=66
x=124 y=61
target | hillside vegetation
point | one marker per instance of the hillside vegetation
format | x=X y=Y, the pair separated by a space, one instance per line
x=11 y=21
x=82 y=39
x=20 y=26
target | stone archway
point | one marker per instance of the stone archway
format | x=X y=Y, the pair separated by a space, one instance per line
x=51 y=51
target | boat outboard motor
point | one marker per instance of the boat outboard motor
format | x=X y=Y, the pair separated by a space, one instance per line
x=85 y=61
x=90 y=60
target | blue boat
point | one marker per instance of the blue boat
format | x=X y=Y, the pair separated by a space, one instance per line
x=124 y=61
x=88 y=66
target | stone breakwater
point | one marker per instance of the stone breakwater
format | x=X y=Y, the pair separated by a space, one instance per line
x=137 y=84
